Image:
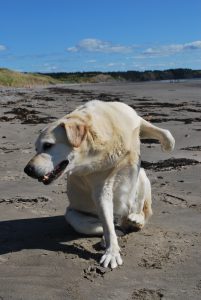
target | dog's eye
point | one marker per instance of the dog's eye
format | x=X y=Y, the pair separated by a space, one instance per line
x=47 y=146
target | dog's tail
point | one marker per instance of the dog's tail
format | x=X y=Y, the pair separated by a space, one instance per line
x=83 y=223
x=149 y=131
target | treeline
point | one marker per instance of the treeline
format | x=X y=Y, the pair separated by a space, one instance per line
x=171 y=74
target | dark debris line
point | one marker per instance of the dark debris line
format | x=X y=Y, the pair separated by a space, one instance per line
x=26 y=116
x=169 y=164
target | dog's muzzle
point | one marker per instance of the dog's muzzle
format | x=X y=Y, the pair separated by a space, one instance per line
x=30 y=171
x=49 y=177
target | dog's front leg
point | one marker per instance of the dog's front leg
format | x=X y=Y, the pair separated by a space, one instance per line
x=103 y=197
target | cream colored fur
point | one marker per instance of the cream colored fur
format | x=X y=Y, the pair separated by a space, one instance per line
x=101 y=141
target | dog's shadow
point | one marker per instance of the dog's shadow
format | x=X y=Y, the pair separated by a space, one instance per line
x=48 y=233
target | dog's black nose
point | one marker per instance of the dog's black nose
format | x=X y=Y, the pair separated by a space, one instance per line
x=29 y=170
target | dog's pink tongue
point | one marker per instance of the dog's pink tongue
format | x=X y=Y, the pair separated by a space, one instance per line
x=45 y=178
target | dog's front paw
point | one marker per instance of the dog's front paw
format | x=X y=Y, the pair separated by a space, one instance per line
x=111 y=257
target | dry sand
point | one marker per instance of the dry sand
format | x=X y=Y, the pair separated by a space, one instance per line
x=43 y=258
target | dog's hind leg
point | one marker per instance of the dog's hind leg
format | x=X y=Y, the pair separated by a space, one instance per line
x=141 y=209
x=149 y=131
x=83 y=223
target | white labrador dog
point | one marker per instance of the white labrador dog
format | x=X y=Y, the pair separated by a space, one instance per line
x=98 y=146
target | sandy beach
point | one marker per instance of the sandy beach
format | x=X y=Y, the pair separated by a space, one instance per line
x=41 y=257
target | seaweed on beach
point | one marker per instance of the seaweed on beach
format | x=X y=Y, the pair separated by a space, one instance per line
x=169 y=164
x=26 y=116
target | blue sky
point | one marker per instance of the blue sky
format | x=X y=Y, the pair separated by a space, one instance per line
x=99 y=35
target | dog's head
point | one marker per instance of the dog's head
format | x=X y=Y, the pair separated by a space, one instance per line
x=58 y=147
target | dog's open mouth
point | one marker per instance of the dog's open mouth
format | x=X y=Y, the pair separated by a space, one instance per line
x=58 y=170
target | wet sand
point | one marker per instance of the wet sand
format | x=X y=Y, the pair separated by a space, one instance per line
x=41 y=257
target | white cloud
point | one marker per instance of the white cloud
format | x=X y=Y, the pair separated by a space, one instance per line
x=172 y=49
x=2 y=48
x=193 y=46
x=96 y=45
x=45 y=67
x=91 y=61
x=115 y=64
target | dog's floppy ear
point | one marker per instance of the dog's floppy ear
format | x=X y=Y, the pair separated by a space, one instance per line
x=75 y=133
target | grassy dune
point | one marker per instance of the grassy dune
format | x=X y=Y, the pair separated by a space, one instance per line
x=17 y=79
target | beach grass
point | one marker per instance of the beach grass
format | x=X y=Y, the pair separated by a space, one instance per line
x=16 y=79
